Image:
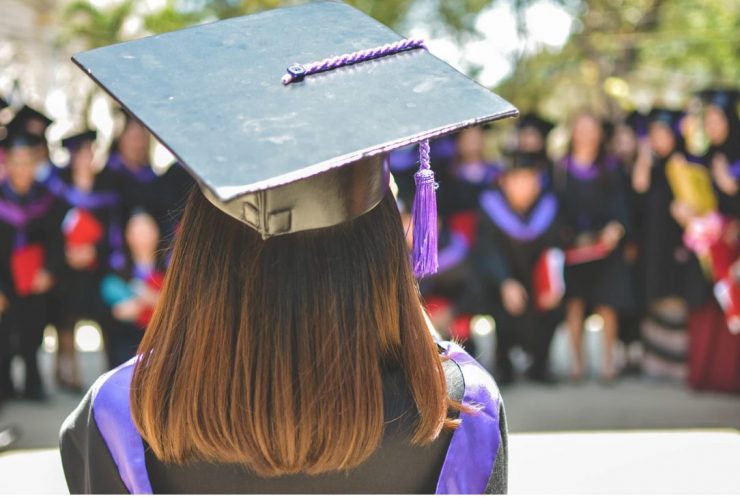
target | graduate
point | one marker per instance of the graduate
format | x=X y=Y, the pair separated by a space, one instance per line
x=594 y=221
x=519 y=244
x=131 y=292
x=93 y=244
x=665 y=262
x=31 y=262
x=48 y=175
x=630 y=139
x=470 y=174
x=722 y=128
x=714 y=314
x=289 y=351
x=129 y=161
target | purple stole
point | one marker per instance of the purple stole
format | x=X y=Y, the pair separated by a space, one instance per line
x=145 y=174
x=466 y=468
x=453 y=253
x=18 y=216
x=540 y=219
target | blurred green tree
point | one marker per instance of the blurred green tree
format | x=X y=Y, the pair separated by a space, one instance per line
x=631 y=53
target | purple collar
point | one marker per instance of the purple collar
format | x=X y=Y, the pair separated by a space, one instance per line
x=541 y=217
x=19 y=215
x=467 y=467
x=145 y=174
x=588 y=172
x=90 y=200
x=453 y=253
x=735 y=169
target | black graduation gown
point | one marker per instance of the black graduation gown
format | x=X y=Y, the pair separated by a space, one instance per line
x=173 y=188
x=395 y=467
x=665 y=261
x=509 y=245
x=138 y=189
x=80 y=289
x=22 y=326
x=590 y=199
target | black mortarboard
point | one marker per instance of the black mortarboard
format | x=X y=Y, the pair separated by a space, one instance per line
x=724 y=98
x=32 y=121
x=274 y=140
x=668 y=117
x=73 y=142
x=17 y=136
x=535 y=121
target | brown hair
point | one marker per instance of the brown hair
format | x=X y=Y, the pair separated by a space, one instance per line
x=270 y=352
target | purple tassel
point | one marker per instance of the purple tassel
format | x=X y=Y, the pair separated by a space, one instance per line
x=425 y=216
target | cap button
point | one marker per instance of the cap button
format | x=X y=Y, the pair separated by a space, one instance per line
x=297 y=72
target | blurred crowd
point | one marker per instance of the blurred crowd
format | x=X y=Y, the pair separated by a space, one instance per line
x=635 y=220
x=628 y=222
x=79 y=242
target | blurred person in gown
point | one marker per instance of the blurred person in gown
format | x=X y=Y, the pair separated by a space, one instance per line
x=93 y=240
x=666 y=263
x=31 y=259
x=593 y=208
x=518 y=233
x=132 y=292
x=628 y=137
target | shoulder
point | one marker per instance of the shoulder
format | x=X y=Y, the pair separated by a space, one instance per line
x=106 y=396
x=478 y=386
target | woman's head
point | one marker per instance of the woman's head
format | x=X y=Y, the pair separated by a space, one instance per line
x=587 y=133
x=471 y=144
x=21 y=165
x=142 y=236
x=522 y=187
x=716 y=125
x=134 y=142
x=270 y=352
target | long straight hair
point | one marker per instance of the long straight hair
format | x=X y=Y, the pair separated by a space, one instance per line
x=270 y=352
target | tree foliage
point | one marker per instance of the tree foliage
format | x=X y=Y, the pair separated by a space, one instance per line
x=627 y=53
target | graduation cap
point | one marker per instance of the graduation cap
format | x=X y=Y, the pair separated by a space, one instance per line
x=667 y=117
x=535 y=121
x=33 y=121
x=281 y=130
x=18 y=137
x=74 y=142
x=726 y=99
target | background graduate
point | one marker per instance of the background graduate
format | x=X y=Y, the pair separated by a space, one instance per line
x=518 y=228
x=93 y=243
x=289 y=351
x=666 y=264
x=32 y=258
x=594 y=216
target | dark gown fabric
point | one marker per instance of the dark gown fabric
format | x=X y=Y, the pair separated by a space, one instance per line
x=137 y=188
x=34 y=218
x=590 y=198
x=665 y=261
x=509 y=245
x=395 y=467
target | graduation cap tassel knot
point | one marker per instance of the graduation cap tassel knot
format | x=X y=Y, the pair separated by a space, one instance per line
x=424 y=215
x=297 y=72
